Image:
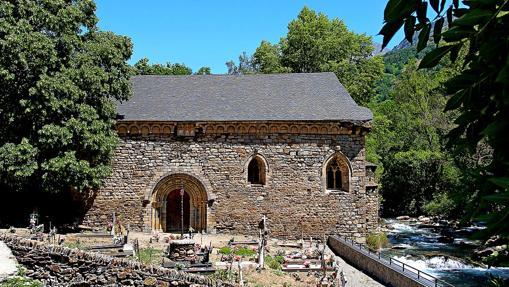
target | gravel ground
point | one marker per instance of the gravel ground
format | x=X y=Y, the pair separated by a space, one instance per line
x=356 y=277
x=7 y=262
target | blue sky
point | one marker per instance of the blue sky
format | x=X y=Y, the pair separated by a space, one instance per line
x=209 y=33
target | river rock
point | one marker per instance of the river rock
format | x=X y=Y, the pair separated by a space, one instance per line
x=399 y=247
x=483 y=252
x=494 y=241
x=424 y=219
x=403 y=217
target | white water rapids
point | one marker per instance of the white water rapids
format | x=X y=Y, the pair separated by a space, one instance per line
x=420 y=247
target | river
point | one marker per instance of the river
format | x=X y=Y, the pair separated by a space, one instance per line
x=420 y=248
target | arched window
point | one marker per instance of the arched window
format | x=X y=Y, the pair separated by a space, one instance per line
x=256 y=171
x=337 y=174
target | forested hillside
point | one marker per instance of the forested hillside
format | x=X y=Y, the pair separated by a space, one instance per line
x=416 y=174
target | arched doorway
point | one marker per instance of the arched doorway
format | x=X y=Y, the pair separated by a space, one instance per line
x=177 y=211
x=166 y=204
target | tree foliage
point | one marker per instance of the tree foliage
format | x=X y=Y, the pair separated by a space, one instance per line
x=59 y=78
x=143 y=67
x=315 y=43
x=245 y=66
x=407 y=140
x=203 y=71
x=479 y=94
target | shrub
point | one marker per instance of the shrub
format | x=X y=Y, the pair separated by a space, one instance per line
x=272 y=263
x=279 y=259
x=245 y=252
x=377 y=241
x=441 y=205
x=226 y=250
x=18 y=281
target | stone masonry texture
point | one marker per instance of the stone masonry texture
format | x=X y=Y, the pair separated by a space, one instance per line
x=61 y=266
x=294 y=197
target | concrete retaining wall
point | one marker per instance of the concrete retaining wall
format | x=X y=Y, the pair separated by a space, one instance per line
x=388 y=275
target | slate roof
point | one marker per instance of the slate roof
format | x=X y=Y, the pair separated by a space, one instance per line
x=272 y=97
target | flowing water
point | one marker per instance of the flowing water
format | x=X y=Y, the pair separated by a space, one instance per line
x=422 y=249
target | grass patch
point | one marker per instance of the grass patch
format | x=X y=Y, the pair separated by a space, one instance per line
x=224 y=275
x=226 y=250
x=245 y=252
x=376 y=241
x=239 y=251
x=273 y=263
x=20 y=280
x=149 y=255
x=74 y=245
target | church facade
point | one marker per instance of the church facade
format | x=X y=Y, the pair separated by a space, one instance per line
x=217 y=152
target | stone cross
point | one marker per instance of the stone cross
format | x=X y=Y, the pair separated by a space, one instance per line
x=262 y=226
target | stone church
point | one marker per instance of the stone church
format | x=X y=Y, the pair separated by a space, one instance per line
x=217 y=152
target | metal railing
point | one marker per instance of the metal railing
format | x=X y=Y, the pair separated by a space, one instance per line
x=406 y=269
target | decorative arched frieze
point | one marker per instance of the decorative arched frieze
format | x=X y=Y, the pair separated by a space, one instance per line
x=156 y=129
x=193 y=128
x=133 y=129
x=145 y=130
x=122 y=129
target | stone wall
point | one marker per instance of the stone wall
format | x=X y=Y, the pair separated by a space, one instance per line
x=294 y=197
x=61 y=266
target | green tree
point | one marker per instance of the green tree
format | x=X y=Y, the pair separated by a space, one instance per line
x=59 y=77
x=407 y=142
x=479 y=94
x=267 y=59
x=203 y=71
x=315 y=43
x=245 y=66
x=143 y=67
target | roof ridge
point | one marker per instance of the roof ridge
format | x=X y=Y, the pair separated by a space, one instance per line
x=286 y=96
x=240 y=75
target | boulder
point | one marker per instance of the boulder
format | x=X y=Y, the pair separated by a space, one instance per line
x=494 y=241
x=403 y=217
x=483 y=252
x=424 y=219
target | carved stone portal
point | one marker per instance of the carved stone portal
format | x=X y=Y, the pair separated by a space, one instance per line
x=166 y=204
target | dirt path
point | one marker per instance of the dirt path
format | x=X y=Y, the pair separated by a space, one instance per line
x=7 y=262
